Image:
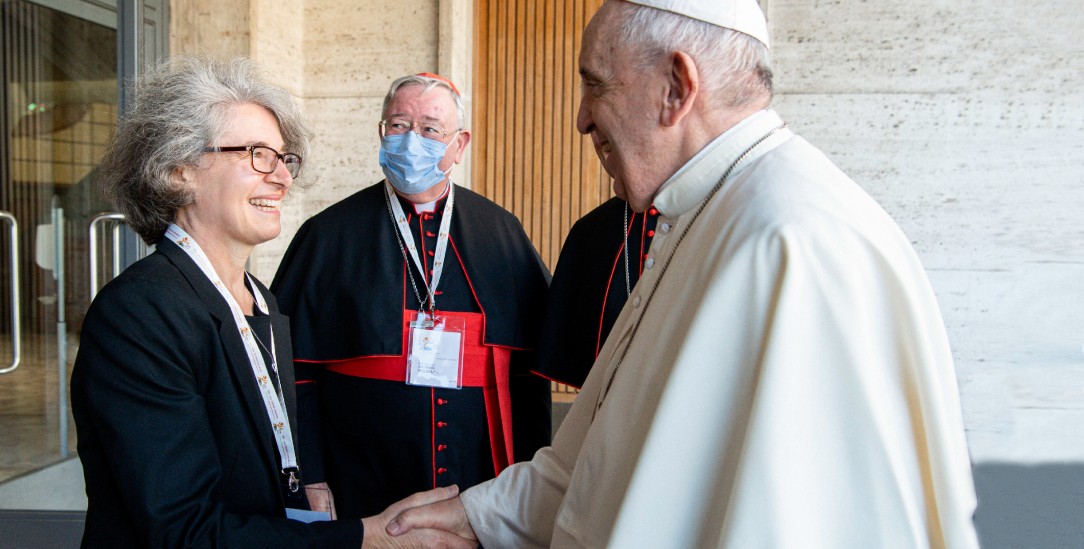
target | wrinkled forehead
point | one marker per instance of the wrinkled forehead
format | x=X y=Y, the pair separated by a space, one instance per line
x=597 y=49
x=601 y=55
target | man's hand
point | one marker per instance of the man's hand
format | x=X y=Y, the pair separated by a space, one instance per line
x=448 y=515
x=320 y=498
x=420 y=535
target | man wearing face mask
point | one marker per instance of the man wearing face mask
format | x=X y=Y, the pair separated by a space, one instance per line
x=414 y=307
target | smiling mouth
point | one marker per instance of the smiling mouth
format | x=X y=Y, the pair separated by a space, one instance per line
x=265 y=205
x=604 y=150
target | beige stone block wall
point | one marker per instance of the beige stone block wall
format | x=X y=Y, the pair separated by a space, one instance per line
x=209 y=26
x=276 y=41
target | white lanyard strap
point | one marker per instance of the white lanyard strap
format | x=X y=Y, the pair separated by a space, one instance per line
x=273 y=401
x=399 y=217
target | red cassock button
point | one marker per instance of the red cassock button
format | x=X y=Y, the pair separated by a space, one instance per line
x=441 y=471
x=653 y=211
x=431 y=253
x=650 y=234
x=442 y=447
x=441 y=402
x=441 y=425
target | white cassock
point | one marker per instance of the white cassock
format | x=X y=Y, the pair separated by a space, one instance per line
x=780 y=377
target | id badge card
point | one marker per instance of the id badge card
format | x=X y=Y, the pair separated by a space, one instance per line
x=304 y=515
x=435 y=357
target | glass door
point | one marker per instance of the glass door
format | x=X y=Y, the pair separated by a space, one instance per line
x=58 y=105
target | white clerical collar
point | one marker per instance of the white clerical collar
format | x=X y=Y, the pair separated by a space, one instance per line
x=430 y=207
x=692 y=182
x=427 y=207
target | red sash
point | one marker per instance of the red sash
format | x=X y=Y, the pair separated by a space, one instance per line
x=484 y=366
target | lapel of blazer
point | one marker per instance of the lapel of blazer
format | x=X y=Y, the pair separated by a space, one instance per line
x=232 y=345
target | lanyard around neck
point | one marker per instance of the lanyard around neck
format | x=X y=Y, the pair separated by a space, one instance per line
x=273 y=401
x=406 y=242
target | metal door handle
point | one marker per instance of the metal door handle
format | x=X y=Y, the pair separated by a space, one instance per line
x=94 y=247
x=16 y=329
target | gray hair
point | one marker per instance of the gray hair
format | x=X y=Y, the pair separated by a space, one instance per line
x=429 y=83
x=735 y=67
x=180 y=107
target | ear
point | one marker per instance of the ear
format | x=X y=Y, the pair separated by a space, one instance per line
x=463 y=139
x=683 y=87
x=182 y=177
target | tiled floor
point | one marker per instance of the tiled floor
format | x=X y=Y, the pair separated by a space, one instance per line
x=58 y=487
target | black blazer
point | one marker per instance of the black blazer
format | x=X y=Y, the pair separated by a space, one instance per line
x=176 y=446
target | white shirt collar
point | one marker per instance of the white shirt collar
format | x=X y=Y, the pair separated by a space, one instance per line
x=692 y=182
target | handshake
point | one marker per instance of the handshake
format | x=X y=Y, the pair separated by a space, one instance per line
x=435 y=518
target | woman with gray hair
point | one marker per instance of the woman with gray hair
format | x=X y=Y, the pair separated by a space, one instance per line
x=183 y=388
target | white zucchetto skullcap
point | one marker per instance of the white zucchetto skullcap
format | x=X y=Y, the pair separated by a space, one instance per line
x=743 y=16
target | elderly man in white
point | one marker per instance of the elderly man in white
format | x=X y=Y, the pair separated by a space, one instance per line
x=780 y=376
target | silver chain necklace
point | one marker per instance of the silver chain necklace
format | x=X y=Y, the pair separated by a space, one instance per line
x=274 y=361
x=625 y=237
x=274 y=366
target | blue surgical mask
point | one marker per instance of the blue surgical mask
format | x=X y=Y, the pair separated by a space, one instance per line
x=411 y=162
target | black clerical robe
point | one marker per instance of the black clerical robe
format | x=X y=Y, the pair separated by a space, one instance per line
x=590 y=287
x=345 y=284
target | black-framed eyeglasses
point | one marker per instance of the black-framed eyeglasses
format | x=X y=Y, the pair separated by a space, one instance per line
x=399 y=126
x=264 y=159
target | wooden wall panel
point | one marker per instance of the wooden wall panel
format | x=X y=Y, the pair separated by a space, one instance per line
x=528 y=156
